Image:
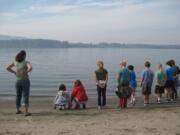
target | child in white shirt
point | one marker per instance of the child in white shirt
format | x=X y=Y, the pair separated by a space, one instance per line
x=62 y=99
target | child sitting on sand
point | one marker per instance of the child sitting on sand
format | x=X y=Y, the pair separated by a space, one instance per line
x=62 y=99
x=79 y=95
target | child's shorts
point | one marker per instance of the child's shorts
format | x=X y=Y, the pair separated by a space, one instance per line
x=146 y=89
x=159 y=89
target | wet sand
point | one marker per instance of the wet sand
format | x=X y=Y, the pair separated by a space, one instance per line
x=156 y=119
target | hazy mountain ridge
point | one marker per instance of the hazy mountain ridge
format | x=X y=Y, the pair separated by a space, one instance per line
x=6 y=37
x=21 y=42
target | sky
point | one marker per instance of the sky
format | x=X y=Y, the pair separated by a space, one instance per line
x=93 y=21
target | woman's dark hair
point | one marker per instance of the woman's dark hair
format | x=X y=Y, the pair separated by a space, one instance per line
x=21 y=56
x=147 y=64
x=77 y=83
x=131 y=67
x=62 y=87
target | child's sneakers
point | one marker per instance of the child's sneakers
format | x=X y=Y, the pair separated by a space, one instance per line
x=99 y=107
x=158 y=100
x=145 y=104
x=62 y=107
x=133 y=101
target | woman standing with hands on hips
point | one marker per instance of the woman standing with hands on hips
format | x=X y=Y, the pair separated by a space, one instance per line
x=20 y=68
x=101 y=77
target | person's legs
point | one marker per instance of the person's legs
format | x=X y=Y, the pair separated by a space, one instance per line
x=172 y=90
x=104 y=96
x=69 y=104
x=119 y=102
x=99 y=92
x=26 y=91
x=122 y=104
x=133 y=97
x=157 y=91
x=18 y=96
x=170 y=93
x=84 y=105
x=125 y=102
x=77 y=106
x=167 y=93
x=158 y=97
x=147 y=99
x=174 y=94
x=160 y=93
x=145 y=93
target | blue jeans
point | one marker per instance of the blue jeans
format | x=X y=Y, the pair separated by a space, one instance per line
x=22 y=90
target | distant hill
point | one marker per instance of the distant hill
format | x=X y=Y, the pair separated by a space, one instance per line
x=6 y=37
x=21 y=42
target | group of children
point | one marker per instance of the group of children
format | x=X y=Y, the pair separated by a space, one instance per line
x=166 y=81
x=78 y=95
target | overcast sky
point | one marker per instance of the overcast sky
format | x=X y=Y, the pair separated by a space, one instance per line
x=123 y=21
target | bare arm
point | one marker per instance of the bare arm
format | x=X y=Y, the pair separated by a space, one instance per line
x=9 y=68
x=142 y=79
x=29 y=66
x=95 y=77
x=118 y=77
x=106 y=77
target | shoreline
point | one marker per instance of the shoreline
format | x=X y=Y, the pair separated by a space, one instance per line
x=112 y=101
x=155 y=119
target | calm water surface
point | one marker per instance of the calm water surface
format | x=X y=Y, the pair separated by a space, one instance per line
x=52 y=66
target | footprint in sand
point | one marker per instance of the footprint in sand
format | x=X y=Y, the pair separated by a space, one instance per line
x=63 y=132
x=151 y=129
x=128 y=130
x=14 y=133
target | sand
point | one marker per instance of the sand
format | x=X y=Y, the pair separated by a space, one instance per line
x=156 y=119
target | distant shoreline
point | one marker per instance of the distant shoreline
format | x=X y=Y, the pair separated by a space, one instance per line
x=45 y=43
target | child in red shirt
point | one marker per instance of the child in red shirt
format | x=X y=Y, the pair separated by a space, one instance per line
x=79 y=95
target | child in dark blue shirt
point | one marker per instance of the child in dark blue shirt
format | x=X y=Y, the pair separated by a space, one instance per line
x=132 y=83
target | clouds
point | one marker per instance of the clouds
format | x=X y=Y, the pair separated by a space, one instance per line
x=129 y=21
x=54 y=7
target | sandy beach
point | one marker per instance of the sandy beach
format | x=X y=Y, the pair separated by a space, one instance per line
x=156 y=119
